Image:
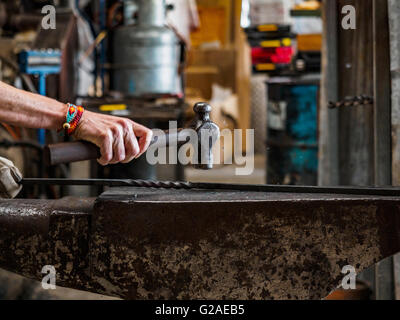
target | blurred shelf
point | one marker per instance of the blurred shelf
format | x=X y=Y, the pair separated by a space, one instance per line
x=305 y=13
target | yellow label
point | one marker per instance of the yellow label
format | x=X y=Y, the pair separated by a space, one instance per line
x=271 y=44
x=112 y=107
x=268 y=28
x=265 y=67
x=286 y=42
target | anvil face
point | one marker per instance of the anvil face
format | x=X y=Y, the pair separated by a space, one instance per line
x=151 y=244
x=142 y=243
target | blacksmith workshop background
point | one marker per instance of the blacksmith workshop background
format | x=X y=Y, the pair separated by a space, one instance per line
x=317 y=81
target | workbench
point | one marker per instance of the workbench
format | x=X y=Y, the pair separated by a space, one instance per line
x=145 y=243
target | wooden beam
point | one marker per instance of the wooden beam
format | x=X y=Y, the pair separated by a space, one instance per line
x=394 y=28
x=355 y=69
x=328 y=169
x=382 y=94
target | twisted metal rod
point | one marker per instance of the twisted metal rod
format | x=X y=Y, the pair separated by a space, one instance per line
x=363 y=191
x=161 y=184
x=108 y=182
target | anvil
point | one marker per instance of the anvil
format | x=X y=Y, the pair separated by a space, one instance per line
x=144 y=243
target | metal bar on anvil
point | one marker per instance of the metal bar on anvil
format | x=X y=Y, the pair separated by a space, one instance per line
x=389 y=191
x=145 y=243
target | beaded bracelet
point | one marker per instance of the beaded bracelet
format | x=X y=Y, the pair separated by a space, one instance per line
x=74 y=115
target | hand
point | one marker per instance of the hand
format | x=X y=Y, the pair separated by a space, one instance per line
x=119 y=139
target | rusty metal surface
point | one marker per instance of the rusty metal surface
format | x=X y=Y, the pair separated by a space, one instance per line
x=150 y=244
x=173 y=244
x=35 y=233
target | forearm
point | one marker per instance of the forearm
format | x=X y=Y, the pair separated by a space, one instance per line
x=119 y=139
x=25 y=109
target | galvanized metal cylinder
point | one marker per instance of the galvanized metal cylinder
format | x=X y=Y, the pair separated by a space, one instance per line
x=146 y=55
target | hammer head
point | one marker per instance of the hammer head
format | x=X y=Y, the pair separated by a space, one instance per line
x=207 y=133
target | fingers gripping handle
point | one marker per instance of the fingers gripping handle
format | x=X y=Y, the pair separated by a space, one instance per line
x=82 y=150
x=68 y=152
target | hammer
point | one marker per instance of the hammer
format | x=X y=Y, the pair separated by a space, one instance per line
x=207 y=133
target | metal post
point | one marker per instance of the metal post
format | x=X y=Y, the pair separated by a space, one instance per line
x=42 y=91
x=384 y=277
x=102 y=45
